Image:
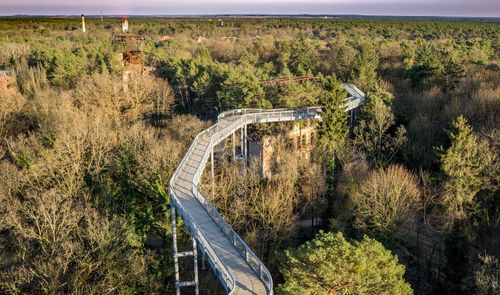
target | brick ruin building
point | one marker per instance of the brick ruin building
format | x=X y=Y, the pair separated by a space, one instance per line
x=299 y=138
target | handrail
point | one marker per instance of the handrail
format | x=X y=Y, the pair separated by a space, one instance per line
x=249 y=256
x=246 y=111
x=208 y=249
x=355 y=95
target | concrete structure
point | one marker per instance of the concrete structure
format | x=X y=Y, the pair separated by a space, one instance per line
x=300 y=139
x=239 y=270
x=124 y=24
x=131 y=57
x=83 y=24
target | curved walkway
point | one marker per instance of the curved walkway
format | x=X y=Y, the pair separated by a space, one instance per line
x=237 y=267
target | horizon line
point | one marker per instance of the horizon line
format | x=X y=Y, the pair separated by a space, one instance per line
x=248 y=14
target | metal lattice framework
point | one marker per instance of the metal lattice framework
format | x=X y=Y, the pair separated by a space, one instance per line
x=239 y=270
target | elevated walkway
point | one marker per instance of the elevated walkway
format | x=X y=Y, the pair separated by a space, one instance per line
x=239 y=270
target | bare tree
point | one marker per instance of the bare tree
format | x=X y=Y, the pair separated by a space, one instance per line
x=385 y=199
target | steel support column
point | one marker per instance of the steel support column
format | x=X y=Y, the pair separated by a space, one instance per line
x=212 y=163
x=176 y=259
x=351 y=122
x=212 y=170
x=245 y=144
x=195 y=264
x=176 y=254
x=233 y=140
x=241 y=142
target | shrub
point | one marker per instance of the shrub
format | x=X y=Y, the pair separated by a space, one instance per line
x=487 y=275
x=329 y=264
x=387 y=198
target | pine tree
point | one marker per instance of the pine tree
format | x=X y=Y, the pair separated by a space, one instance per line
x=465 y=165
x=426 y=68
x=302 y=57
x=453 y=73
x=364 y=73
x=373 y=132
x=333 y=129
x=330 y=264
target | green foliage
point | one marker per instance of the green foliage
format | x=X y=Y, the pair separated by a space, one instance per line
x=453 y=74
x=386 y=199
x=480 y=52
x=141 y=201
x=333 y=129
x=331 y=265
x=67 y=67
x=240 y=90
x=426 y=69
x=364 y=73
x=210 y=87
x=341 y=59
x=295 y=95
x=408 y=54
x=302 y=57
x=374 y=130
x=466 y=164
x=452 y=66
x=283 y=58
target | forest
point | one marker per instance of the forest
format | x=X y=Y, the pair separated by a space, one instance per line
x=93 y=125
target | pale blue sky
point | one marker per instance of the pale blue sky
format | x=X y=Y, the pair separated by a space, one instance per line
x=488 y=8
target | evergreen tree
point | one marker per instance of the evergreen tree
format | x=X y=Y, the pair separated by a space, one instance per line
x=303 y=58
x=408 y=54
x=283 y=59
x=453 y=73
x=241 y=90
x=426 y=68
x=373 y=132
x=331 y=265
x=333 y=129
x=465 y=164
x=364 y=73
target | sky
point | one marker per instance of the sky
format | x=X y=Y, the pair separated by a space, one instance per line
x=477 y=8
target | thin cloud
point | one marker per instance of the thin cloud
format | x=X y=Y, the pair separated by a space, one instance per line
x=482 y=8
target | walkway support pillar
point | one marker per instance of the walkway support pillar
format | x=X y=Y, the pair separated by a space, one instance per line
x=176 y=259
x=233 y=140
x=245 y=144
x=212 y=162
x=195 y=264
x=351 y=122
x=212 y=172
x=241 y=141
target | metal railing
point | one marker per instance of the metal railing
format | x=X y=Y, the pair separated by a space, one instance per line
x=253 y=261
x=239 y=112
x=223 y=272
